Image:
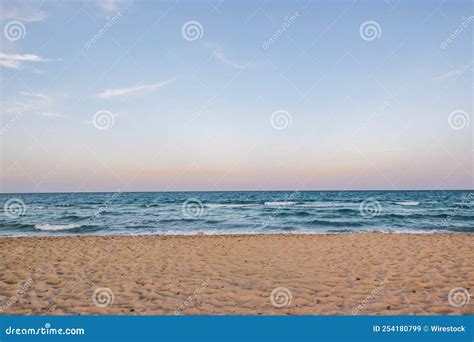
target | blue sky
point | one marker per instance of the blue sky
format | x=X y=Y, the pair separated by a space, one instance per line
x=391 y=110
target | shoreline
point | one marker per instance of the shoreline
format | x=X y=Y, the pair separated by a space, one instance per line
x=274 y=274
x=202 y=234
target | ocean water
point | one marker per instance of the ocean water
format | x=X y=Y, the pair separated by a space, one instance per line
x=185 y=213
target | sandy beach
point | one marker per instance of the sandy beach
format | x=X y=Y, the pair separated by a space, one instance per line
x=346 y=274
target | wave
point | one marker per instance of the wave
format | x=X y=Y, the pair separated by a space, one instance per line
x=429 y=216
x=213 y=221
x=409 y=215
x=225 y=205
x=57 y=227
x=279 y=203
x=407 y=203
x=172 y=220
x=334 y=223
x=150 y=205
x=16 y=226
x=327 y=204
x=461 y=229
x=74 y=217
x=290 y=214
x=347 y=211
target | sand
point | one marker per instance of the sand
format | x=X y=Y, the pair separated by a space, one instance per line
x=363 y=274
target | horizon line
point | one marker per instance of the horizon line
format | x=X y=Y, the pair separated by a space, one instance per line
x=195 y=191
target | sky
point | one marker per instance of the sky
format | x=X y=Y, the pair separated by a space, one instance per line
x=236 y=95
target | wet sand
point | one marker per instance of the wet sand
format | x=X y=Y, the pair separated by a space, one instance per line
x=346 y=274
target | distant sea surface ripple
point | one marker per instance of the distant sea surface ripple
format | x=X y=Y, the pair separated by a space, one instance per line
x=187 y=213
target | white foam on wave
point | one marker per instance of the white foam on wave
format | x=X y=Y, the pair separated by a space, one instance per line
x=56 y=227
x=275 y=232
x=281 y=203
x=224 y=205
x=322 y=204
x=408 y=203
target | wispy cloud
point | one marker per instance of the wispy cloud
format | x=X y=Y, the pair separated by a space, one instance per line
x=112 y=5
x=219 y=54
x=17 y=61
x=42 y=97
x=108 y=5
x=22 y=10
x=455 y=72
x=34 y=102
x=109 y=93
x=222 y=57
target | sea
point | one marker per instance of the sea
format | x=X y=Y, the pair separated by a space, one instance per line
x=236 y=212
